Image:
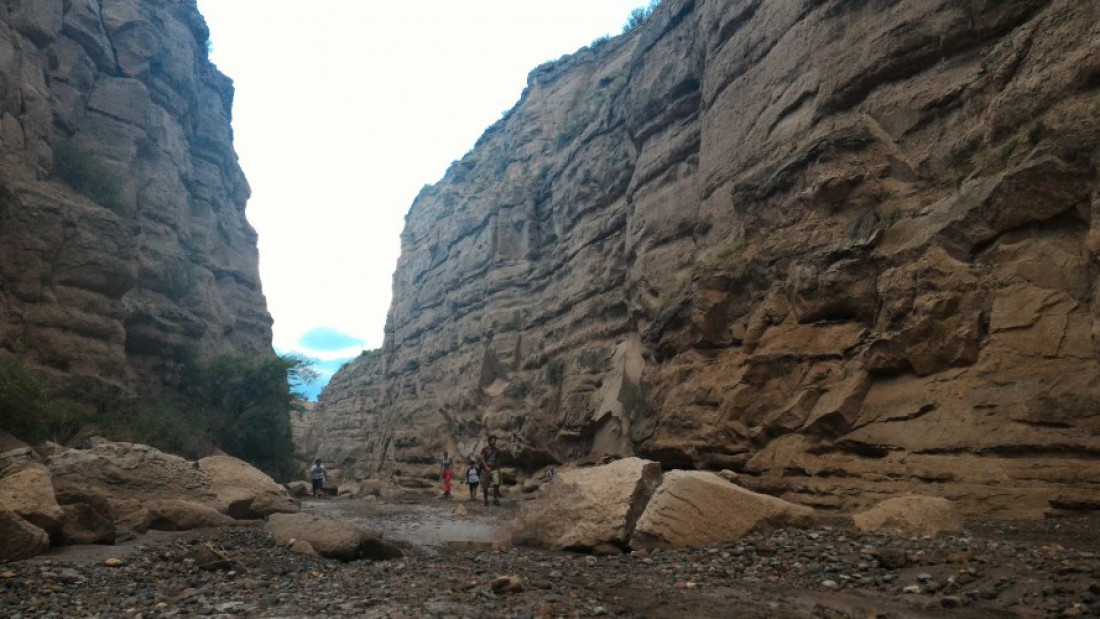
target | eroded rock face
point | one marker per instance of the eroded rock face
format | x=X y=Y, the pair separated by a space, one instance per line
x=123 y=241
x=843 y=249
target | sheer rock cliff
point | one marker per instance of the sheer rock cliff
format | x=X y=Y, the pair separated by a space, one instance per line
x=845 y=249
x=123 y=241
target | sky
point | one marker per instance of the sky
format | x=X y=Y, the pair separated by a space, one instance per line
x=344 y=110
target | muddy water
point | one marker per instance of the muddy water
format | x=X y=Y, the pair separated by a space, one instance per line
x=430 y=525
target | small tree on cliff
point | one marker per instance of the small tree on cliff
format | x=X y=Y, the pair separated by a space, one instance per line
x=639 y=15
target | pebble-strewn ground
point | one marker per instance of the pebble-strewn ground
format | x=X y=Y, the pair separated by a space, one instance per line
x=1027 y=569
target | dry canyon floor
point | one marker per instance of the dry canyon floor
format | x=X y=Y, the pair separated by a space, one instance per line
x=1048 y=568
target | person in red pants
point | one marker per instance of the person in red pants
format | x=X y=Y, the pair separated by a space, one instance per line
x=446 y=473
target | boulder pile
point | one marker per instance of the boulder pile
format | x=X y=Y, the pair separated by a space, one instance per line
x=630 y=505
x=112 y=490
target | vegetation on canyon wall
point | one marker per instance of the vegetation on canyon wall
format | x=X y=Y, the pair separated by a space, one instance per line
x=639 y=15
x=236 y=404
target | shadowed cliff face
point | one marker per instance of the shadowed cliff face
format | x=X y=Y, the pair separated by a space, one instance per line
x=845 y=248
x=123 y=242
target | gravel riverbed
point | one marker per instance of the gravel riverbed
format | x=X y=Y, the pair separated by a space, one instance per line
x=457 y=566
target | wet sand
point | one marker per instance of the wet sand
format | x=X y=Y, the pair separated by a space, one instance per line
x=429 y=525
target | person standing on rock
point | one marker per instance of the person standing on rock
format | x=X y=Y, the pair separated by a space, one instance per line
x=473 y=478
x=317 y=474
x=489 y=460
x=446 y=473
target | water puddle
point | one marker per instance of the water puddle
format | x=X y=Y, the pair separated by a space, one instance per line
x=458 y=526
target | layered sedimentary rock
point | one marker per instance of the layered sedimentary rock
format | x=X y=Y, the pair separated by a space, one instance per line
x=843 y=248
x=123 y=242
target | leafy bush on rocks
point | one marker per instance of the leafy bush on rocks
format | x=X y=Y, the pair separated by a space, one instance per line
x=246 y=403
x=639 y=15
x=30 y=412
x=236 y=404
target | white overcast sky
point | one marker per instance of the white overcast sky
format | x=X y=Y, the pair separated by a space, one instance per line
x=344 y=109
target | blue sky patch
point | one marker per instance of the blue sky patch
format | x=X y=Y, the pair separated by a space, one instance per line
x=324 y=339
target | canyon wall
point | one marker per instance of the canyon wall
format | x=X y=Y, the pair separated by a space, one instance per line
x=847 y=249
x=124 y=247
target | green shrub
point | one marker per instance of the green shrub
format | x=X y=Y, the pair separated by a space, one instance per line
x=21 y=401
x=240 y=405
x=32 y=413
x=245 y=403
x=639 y=15
x=90 y=177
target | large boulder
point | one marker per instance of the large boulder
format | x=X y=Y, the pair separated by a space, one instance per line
x=119 y=479
x=584 y=508
x=243 y=491
x=183 y=515
x=20 y=539
x=27 y=490
x=697 y=509
x=299 y=489
x=138 y=487
x=330 y=538
x=912 y=514
x=130 y=471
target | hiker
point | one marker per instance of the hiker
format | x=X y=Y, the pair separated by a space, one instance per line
x=489 y=461
x=473 y=478
x=317 y=474
x=446 y=473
